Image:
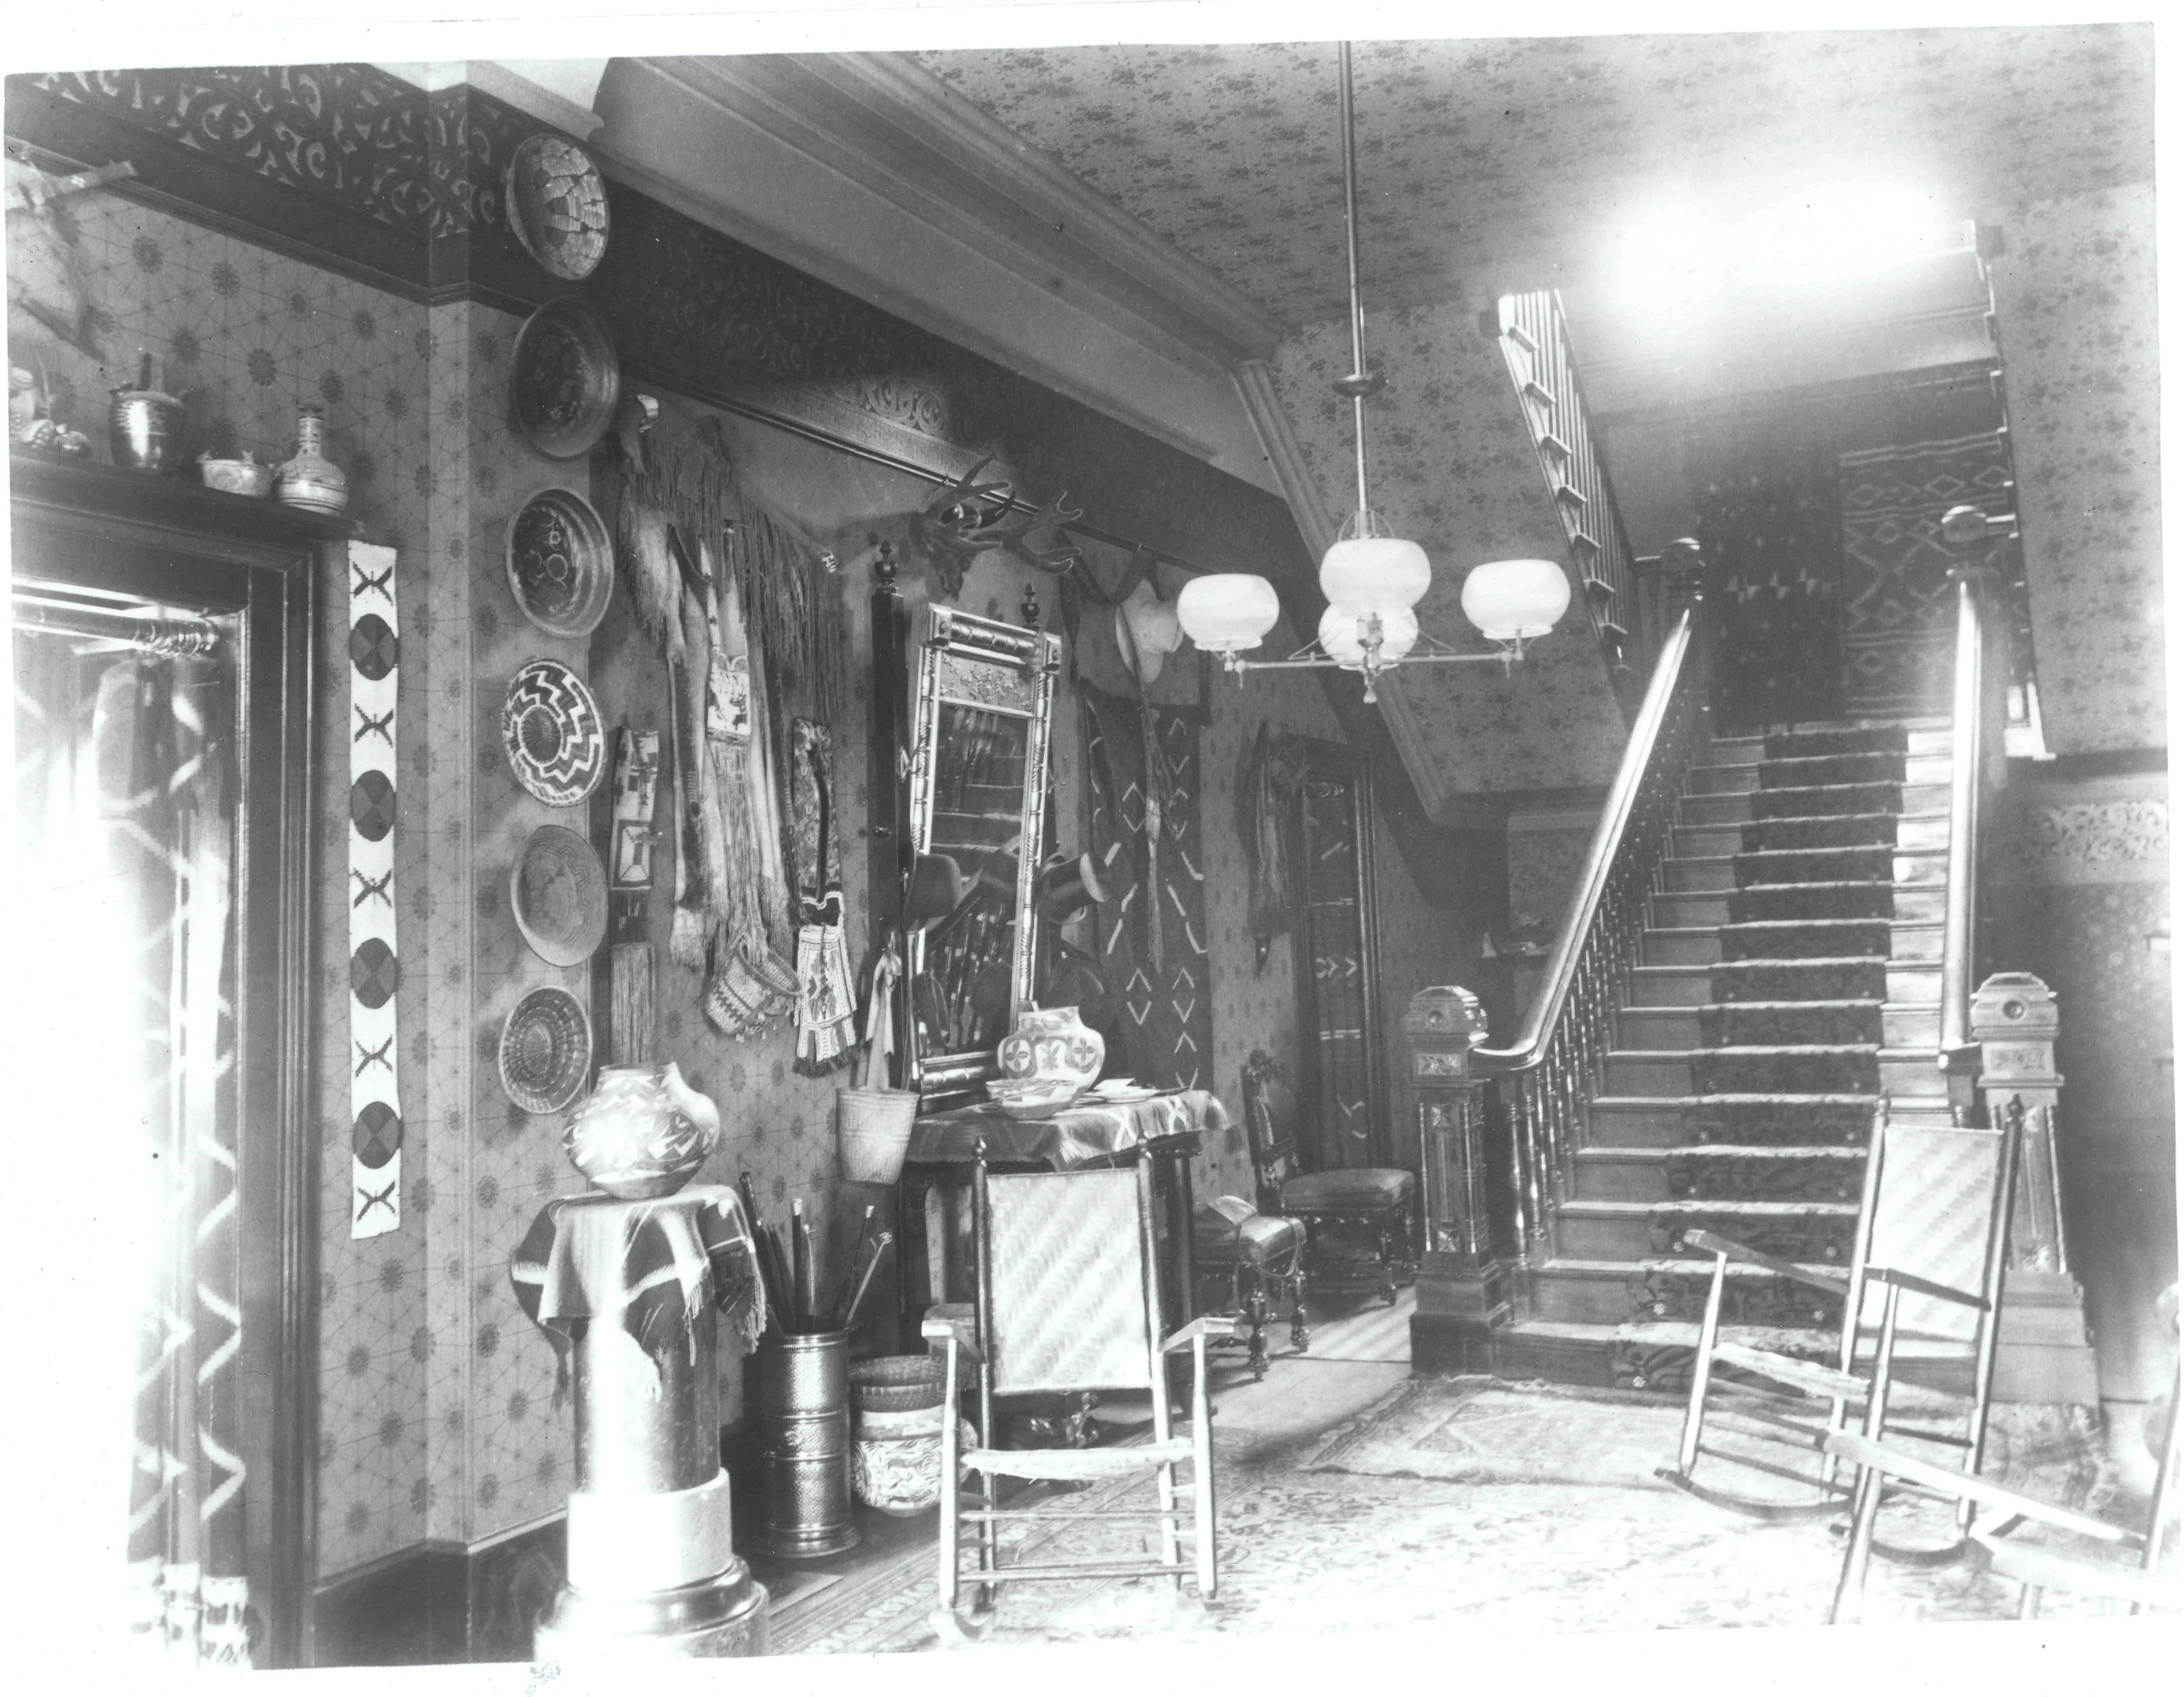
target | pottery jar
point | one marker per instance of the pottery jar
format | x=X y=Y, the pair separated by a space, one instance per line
x=643 y=1132
x=1053 y=1046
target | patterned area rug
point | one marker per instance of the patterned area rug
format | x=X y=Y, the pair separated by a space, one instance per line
x=1551 y=1520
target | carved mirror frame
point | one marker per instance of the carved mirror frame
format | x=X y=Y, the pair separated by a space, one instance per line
x=984 y=666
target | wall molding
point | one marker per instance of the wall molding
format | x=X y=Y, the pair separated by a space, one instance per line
x=2104 y=830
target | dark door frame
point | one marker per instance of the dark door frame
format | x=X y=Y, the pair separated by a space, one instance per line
x=87 y=527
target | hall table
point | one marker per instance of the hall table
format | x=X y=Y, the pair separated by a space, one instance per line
x=935 y=1186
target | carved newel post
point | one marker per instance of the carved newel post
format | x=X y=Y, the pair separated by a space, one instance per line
x=2045 y=1354
x=1462 y=1289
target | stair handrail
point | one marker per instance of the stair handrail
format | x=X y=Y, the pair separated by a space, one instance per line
x=1542 y=1079
x=1970 y=747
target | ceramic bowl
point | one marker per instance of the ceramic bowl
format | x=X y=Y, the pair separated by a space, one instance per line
x=243 y=477
x=560 y=562
x=556 y=203
x=565 y=381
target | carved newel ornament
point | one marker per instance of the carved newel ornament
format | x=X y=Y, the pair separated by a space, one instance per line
x=2046 y=1353
x=1462 y=1289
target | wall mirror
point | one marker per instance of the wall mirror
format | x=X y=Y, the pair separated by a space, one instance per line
x=981 y=713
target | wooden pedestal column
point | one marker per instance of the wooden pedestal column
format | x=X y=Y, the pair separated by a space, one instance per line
x=1463 y=1288
x=2045 y=1354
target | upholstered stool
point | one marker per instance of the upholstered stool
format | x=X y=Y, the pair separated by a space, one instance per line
x=1259 y=1259
x=1357 y=1220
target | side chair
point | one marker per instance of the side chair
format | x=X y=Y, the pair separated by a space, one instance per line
x=1359 y=1222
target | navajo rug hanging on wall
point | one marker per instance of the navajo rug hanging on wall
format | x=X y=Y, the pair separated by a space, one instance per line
x=1897 y=626
x=375 y=1095
x=1144 y=785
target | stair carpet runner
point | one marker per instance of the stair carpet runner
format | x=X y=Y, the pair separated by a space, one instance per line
x=1791 y=975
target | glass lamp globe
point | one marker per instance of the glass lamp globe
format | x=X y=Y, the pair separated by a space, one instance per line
x=1509 y=599
x=1342 y=634
x=1226 y=612
x=1385 y=572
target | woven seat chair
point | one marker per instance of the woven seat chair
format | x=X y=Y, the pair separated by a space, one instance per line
x=1247 y=1263
x=1069 y=1299
x=1358 y=1220
x=1920 y=1302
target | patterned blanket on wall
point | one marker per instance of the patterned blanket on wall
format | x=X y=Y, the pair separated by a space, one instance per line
x=1157 y=1013
x=1897 y=630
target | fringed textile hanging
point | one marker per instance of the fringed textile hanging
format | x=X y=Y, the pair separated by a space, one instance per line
x=826 y=1009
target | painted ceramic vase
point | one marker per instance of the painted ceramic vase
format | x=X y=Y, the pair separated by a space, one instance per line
x=310 y=480
x=1053 y=1046
x=643 y=1132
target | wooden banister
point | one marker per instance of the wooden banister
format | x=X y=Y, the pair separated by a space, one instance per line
x=1542 y=1080
x=1969 y=756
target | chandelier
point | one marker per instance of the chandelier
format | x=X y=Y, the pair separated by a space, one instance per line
x=1372 y=578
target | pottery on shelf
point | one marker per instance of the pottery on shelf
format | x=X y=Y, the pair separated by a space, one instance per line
x=643 y=1132
x=146 y=428
x=311 y=481
x=241 y=475
x=1053 y=1046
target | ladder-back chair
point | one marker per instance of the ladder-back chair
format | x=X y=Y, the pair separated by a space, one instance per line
x=1920 y=1298
x=1069 y=1299
x=1358 y=1221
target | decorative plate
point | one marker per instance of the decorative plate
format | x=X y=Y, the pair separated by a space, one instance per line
x=558 y=891
x=550 y=726
x=557 y=205
x=560 y=562
x=566 y=380
x=545 y=1051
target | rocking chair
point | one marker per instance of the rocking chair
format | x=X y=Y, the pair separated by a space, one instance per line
x=1921 y=1300
x=2035 y=1568
x=1068 y=1281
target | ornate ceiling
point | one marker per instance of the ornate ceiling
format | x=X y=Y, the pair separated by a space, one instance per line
x=1488 y=166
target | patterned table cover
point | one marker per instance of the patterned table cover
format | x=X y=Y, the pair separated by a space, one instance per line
x=650 y=1265
x=1078 y=1136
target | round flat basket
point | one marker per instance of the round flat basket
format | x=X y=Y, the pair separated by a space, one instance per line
x=545 y=1051
x=564 y=380
x=557 y=203
x=558 y=891
x=560 y=562
x=550 y=726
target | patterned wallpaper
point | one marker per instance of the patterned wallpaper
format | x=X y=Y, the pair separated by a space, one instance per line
x=1487 y=166
x=2075 y=294
x=1452 y=469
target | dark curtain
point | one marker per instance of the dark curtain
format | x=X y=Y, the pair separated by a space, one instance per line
x=1767 y=521
x=1148 y=993
x=126 y=804
x=1339 y=1114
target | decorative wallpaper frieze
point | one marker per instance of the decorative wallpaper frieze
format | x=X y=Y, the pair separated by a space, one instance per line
x=351 y=135
x=2112 y=840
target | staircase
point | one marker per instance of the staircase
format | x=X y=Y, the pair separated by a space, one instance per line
x=1789 y=976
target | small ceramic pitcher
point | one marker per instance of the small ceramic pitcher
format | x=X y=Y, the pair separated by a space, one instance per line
x=1054 y=1046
